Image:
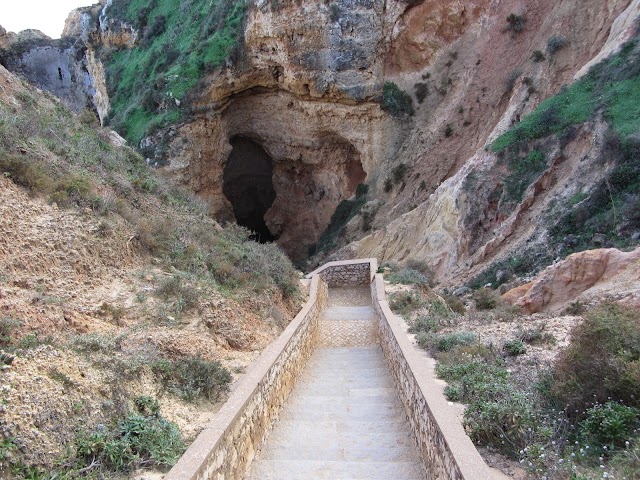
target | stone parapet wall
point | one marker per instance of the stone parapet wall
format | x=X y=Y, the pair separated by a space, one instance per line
x=445 y=449
x=347 y=273
x=225 y=448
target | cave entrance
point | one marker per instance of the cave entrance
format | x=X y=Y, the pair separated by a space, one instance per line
x=248 y=185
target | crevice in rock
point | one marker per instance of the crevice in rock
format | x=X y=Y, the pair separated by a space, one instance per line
x=248 y=185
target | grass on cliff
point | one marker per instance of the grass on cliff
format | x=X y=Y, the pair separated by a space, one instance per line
x=612 y=88
x=345 y=211
x=53 y=155
x=179 y=42
x=611 y=91
x=46 y=149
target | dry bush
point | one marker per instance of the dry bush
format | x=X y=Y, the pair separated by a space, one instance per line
x=603 y=361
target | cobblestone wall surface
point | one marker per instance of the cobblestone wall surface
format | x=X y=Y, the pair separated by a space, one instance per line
x=225 y=448
x=348 y=273
x=445 y=449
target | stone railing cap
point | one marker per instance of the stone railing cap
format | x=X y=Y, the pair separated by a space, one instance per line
x=373 y=262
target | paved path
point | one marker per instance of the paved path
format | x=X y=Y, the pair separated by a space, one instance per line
x=343 y=419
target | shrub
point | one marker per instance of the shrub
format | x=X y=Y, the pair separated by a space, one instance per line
x=575 y=308
x=536 y=335
x=7 y=326
x=537 y=56
x=73 y=190
x=424 y=324
x=362 y=190
x=395 y=101
x=399 y=172
x=446 y=342
x=334 y=12
x=135 y=441
x=455 y=304
x=516 y=24
x=407 y=276
x=186 y=296
x=603 y=360
x=96 y=342
x=448 y=131
x=611 y=424
x=514 y=347
x=422 y=91
x=345 y=211
x=485 y=299
x=192 y=377
x=556 y=43
x=25 y=172
x=523 y=172
x=404 y=303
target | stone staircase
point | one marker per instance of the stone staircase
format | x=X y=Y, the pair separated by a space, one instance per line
x=343 y=419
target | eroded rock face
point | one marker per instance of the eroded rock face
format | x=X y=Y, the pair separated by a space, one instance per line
x=66 y=68
x=320 y=152
x=313 y=48
x=578 y=276
x=454 y=225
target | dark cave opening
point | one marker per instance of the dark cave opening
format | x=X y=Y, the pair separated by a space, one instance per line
x=248 y=185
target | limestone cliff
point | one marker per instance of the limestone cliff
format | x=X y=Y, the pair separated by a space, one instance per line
x=300 y=84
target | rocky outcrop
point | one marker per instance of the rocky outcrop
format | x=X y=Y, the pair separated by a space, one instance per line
x=320 y=152
x=313 y=49
x=455 y=225
x=582 y=276
x=57 y=66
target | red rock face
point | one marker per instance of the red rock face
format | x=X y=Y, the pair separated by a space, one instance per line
x=565 y=281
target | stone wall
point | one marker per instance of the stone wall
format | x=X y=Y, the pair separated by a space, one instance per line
x=445 y=449
x=225 y=448
x=348 y=273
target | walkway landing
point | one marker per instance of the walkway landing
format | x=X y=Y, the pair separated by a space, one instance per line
x=343 y=419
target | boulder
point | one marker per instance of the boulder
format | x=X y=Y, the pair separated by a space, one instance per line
x=603 y=272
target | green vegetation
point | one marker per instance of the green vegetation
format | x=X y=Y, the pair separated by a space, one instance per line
x=611 y=87
x=586 y=436
x=516 y=24
x=181 y=41
x=556 y=43
x=192 y=377
x=485 y=299
x=610 y=424
x=396 y=101
x=445 y=342
x=408 y=276
x=523 y=171
x=610 y=209
x=537 y=56
x=514 y=347
x=345 y=211
x=448 y=131
x=7 y=326
x=86 y=160
x=139 y=438
x=406 y=302
x=422 y=91
x=603 y=360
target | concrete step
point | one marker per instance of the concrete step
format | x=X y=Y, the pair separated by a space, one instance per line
x=349 y=313
x=343 y=420
x=321 y=401
x=306 y=429
x=346 y=439
x=336 y=453
x=335 y=470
